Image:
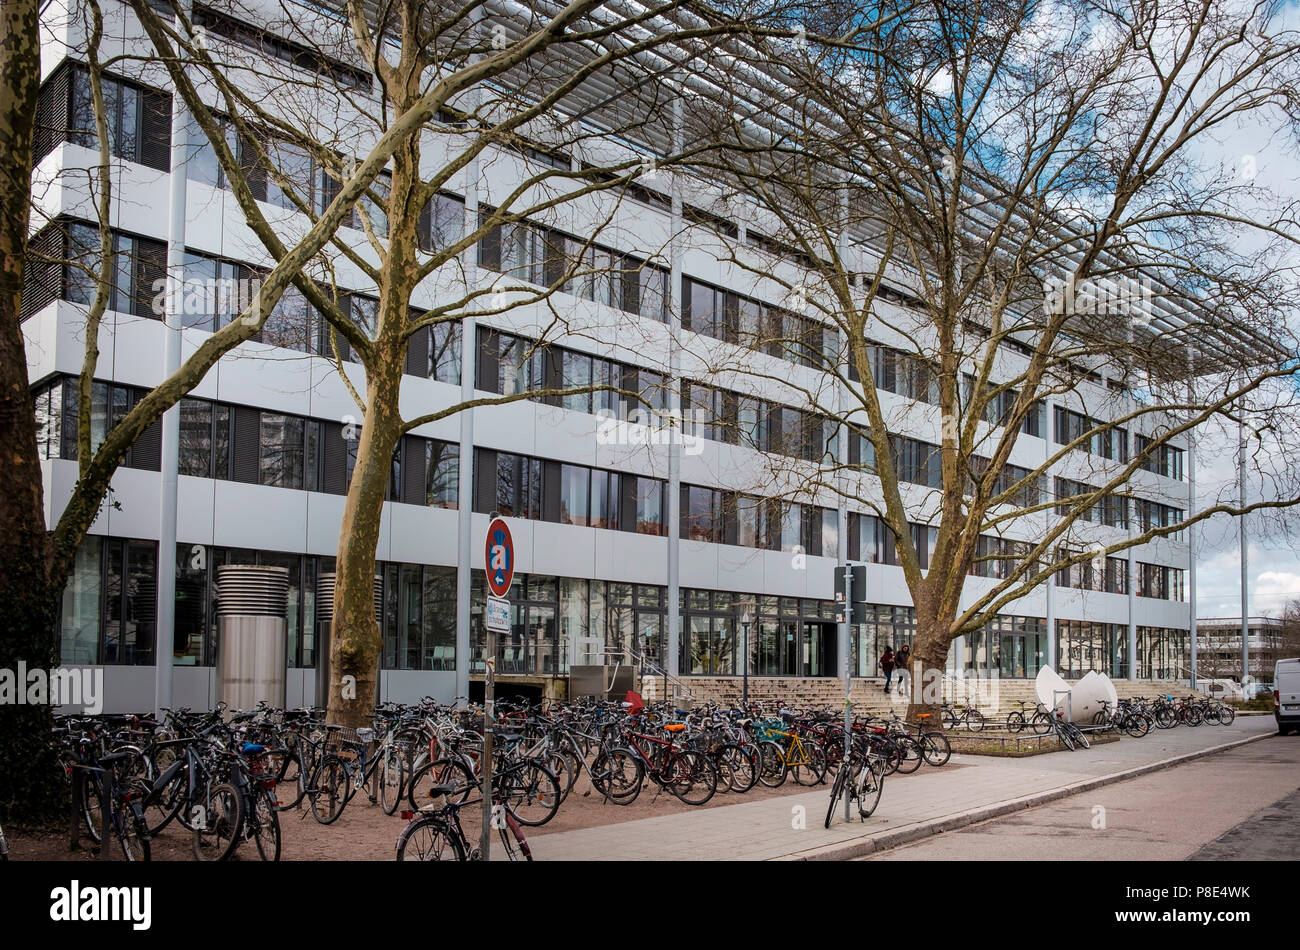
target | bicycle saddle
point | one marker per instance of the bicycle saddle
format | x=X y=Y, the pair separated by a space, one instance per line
x=445 y=789
x=675 y=727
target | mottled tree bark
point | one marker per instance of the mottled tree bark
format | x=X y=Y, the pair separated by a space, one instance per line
x=30 y=788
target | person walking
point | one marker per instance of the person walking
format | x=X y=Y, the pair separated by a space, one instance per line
x=903 y=662
x=887 y=664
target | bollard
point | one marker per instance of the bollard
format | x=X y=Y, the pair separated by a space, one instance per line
x=74 y=823
x=105 y=820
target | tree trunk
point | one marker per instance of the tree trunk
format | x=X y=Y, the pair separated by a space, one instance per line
x=355 y=638
x=929 y=658
x=30 y=788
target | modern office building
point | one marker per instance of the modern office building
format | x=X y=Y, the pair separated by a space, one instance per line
x=622 y=530
x=1218 y=654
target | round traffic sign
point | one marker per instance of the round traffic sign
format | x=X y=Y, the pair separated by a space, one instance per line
x=499 y=558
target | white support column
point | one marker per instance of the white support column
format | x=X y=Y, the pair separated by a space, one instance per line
x=672 y=636
x=1132 y=601
x=173 y=321
x=465 y=466
x=1191 y=558
x=1049 y=592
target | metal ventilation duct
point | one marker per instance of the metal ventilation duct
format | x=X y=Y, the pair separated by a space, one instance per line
x=325 y=598
x=252 y=591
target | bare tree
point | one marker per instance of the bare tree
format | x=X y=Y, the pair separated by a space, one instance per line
x=527 y=82
x=35 y=563
x=995 y=210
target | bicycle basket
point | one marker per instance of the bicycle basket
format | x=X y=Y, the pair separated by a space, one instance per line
x=770 y=729
x=709 y=742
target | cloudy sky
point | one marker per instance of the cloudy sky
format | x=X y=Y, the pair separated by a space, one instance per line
x=1273 y=561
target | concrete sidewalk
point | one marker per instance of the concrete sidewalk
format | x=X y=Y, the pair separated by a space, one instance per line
x=968 y=789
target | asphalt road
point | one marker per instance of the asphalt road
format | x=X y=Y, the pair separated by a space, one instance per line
x=1234 y=805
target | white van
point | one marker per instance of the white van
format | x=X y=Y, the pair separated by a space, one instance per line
x=1286 y=695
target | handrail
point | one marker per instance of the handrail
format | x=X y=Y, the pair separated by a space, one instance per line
x=656 y=671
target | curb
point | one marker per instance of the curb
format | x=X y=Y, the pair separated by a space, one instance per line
x=845 y=850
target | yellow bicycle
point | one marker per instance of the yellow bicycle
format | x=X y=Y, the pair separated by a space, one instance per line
x=785 y=752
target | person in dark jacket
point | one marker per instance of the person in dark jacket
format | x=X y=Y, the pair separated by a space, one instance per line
x=903 y=661
x=887 y=664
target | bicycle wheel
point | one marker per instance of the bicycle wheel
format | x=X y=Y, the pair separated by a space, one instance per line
x=218 y=820
x=515 y=848
x=911 y=754
x=132 y=835
x=870 y=783
x=617 y=774
x=737 y=768
x=429 y=839
x=90 y=806
x=266 y=828
x=1041 y=723
x=1081 y=738
x=392 y=781
x=837 y=791
x=329 y=789
x=772 y=767
x=975 y=720
x=453 y=772
x=1064 y=736
x=813 y=770
x=937 y=748
x=691 y=777
x=1165 y=718
x=889 y=752
x=1226 y=715
x=1015 y=722
x=530 y=793
x=566 y=768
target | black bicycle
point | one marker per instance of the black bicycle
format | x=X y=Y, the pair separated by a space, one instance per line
x=435 y=832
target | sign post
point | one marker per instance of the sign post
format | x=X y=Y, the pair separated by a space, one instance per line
x=850 y=580
x=499 y=562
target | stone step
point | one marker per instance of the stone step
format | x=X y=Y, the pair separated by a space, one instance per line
x=994 y=698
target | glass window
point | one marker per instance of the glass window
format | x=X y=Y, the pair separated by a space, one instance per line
x=130 y=585
x=702 y=515
x=79 y=619
x=195 y=449
x=291 y=322
x=574 y=487
x=193 y=605
x=508 y=479
x=438 y=606
x=830 y=528
x=649 y=506
x=749 y=520
x=446 y=221
x=295 y=166
x=445 y=341
x=791 y=516
x=201 y=163
x=373 y=205
x=604 y=499
x=443 y=474
x=654 y=293
x=576 y=373
x=281 y=450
